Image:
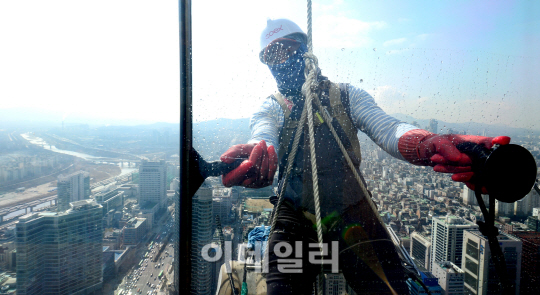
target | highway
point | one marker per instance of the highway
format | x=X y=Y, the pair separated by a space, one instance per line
x=144 y=277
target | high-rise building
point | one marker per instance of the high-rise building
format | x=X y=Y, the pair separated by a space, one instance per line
x=60 y=252
x=450 y=277
x=447 y=238
x=201 y=236
x=222 y=203
x=480 y=274
x=530 y=263
x=421 y=250
x=153 y=183
x=468 y=196
x=503 y=209
x=525 y=206
x=72 y=188
x=433 y=126
x=176 y=242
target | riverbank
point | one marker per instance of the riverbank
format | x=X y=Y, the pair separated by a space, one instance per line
x=41 y=188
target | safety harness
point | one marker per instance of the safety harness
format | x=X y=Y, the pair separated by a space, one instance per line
x=339 y=109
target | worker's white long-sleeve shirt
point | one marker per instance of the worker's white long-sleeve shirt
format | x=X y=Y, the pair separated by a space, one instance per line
x=369 y=118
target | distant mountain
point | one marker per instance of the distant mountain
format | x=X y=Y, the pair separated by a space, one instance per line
x=212 y=138
x=470 y=127
x=36 y=117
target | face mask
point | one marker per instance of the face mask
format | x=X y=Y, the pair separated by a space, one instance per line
x=290 y=74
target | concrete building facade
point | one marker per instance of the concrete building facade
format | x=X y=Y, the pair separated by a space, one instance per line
x=503 y=209
x=153 y=183
x=450 y=277
x=447 y=238
x=468 y=196
x=525 y=206
x=72 y=188
x=110 y=200
x=421 y=250
x=479 y=271
x=134 y=231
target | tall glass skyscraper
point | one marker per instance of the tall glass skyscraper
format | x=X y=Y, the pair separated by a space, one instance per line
x=60 y=252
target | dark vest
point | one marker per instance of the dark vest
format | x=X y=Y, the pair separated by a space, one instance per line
x=337 y=186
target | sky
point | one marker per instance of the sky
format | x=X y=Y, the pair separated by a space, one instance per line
x=456 y=61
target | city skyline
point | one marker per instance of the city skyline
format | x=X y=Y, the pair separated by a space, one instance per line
x=408 y=198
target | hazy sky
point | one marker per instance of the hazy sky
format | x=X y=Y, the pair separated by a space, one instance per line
x=456 y=61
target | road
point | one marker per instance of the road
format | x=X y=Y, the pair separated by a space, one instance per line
x=145 y=279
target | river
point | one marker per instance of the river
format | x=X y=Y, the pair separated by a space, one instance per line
x=42 y=143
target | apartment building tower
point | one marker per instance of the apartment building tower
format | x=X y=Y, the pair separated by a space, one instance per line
x=447 y=239
x=201 y=236
x=525 y=206
x=72 y=188
x=503 y=209
x=468 y=196
x=60 y=252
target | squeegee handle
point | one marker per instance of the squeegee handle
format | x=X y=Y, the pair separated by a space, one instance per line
x=218 y=168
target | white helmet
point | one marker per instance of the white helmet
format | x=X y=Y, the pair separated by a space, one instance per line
x=278 y=28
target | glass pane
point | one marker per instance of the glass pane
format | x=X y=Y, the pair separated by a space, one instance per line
x=471 y=281
x=471 y=250
x=468 y=73
x=471 y=265
x=89 y=146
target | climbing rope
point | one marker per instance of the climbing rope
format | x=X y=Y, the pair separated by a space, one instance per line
x=309 y=92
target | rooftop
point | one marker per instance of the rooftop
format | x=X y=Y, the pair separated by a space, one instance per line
x=449 y=267
x=500 y=237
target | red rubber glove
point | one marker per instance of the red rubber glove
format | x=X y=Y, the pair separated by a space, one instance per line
x=255 y=172
x=424 y=148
